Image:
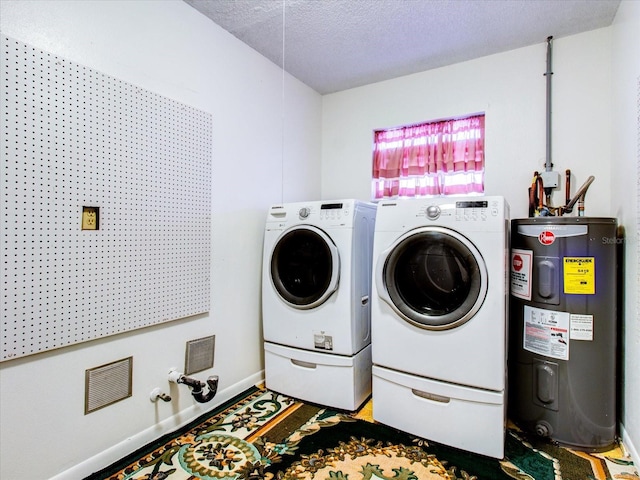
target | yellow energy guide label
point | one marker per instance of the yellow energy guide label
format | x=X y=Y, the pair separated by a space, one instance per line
x=580 y=275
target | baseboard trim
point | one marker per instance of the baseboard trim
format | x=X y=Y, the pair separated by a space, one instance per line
x=629 y=446
x=168 y=425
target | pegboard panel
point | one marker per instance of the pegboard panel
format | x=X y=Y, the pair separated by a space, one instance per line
x=73 y=137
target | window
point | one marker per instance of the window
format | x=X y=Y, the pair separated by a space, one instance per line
x=444 y=157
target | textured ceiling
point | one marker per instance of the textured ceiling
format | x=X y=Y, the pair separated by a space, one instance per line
x=334 y=45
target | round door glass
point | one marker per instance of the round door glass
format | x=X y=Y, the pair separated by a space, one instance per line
x=302 y=267
x=434 y=279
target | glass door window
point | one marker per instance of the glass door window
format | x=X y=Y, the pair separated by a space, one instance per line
x=305 y=267
x=435 y=278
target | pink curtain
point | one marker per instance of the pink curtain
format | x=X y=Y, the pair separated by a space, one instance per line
x=437 y=158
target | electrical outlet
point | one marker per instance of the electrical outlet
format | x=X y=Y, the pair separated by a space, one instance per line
x=90 y=218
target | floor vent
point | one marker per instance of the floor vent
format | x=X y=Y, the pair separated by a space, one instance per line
x=199 y=354
x=107 y=384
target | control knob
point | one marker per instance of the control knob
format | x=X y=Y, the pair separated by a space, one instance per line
x=433 y=212
x=304 y=212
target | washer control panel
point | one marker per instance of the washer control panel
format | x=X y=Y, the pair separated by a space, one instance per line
x=331 y=212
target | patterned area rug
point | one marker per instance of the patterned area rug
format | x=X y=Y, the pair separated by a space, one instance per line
x=266 y=436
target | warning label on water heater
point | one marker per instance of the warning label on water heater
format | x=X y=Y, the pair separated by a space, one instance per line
x=579 y=275
x=581 y=327
x=521 y=264
x=546 y=332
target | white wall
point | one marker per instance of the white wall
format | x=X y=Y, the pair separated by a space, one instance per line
x=591 y=135
x=264 y=123
x=625 y=169
x=511 y=89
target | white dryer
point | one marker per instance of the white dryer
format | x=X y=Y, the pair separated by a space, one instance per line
x=316 y=287
x=439 y=303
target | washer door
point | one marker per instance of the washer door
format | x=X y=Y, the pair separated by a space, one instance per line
x=433 y=277
x=305 y=267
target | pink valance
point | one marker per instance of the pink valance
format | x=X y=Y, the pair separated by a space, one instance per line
x=436 y=158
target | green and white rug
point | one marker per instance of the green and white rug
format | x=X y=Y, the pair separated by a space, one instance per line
x=267 y=436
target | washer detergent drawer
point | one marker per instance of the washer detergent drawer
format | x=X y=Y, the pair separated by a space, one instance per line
x=331 y=380
x=462 y=417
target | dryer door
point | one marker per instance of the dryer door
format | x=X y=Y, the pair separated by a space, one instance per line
x=433 y=277
x=305 y=267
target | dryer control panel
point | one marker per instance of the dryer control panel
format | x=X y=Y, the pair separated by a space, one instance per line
x=481 y=213
x=482 y=210
x=472 y=210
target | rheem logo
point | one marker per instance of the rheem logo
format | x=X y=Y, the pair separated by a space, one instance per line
x=546 y=237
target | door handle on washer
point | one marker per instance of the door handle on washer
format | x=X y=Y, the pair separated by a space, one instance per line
x=365 y=299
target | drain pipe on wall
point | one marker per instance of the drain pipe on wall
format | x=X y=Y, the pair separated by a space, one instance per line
x=196 y=385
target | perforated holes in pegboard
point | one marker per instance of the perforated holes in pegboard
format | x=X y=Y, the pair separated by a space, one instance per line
x=73 y=137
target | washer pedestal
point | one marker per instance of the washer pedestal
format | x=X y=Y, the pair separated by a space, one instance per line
x=342 y=382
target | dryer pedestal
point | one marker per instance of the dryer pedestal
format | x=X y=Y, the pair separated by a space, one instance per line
x=342 y=382
x=467 y=418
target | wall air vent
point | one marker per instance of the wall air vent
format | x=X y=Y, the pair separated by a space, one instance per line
x=199 y=355
x=108 y=384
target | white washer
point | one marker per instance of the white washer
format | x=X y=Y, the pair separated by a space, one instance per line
x=316 y=287
x=439 y=303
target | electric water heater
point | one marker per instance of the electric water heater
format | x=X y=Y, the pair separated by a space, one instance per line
x=563 y=324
